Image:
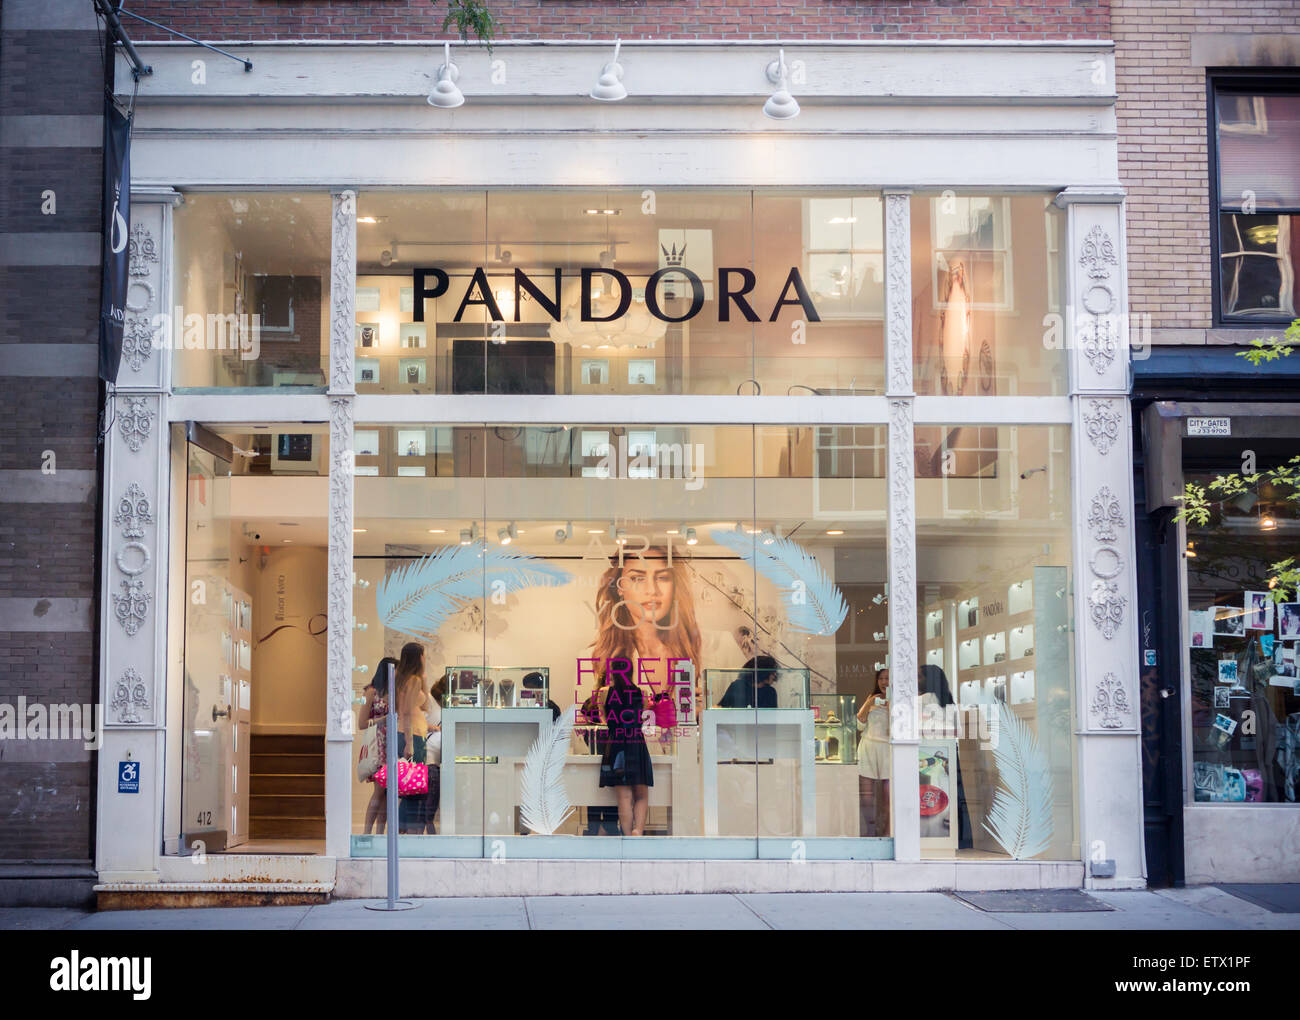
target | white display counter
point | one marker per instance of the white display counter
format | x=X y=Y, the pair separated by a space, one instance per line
x=778 y=741
x=505 y=734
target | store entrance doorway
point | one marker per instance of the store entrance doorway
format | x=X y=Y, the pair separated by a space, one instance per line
x=253 y=735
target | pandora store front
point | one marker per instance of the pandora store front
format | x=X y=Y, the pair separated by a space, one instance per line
x=778 y=522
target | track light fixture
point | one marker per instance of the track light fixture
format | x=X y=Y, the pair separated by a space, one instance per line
x=565 y=533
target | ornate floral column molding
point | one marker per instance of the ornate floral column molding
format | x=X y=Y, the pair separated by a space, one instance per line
x=1105 y=582
x=343 y=293
x=339 y=714
x=133 y=626
x=904 y=725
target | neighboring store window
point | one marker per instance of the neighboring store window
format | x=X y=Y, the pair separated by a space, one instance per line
x=799 y=309
x=994 y=576
x=1241 y=650
x=1258 y=149
x=986 y=286
x=736 y=542
x=252 y=292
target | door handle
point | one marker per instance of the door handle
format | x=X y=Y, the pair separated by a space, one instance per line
x=220 y=715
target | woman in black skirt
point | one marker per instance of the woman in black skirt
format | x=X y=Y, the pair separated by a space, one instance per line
x=625 y=765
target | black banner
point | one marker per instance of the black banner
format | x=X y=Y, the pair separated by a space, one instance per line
x=117 y=217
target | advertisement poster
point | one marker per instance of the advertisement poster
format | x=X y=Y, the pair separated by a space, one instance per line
x=1259 y=611
x=938 y=771
x=1229 y=621
x=1200 y=628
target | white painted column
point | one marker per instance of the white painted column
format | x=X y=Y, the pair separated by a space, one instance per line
x=340 y=719
x=1107 y=703
x=904 y=724
x=134 y=551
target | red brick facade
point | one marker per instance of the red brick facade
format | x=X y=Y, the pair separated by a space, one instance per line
x=1028 y=20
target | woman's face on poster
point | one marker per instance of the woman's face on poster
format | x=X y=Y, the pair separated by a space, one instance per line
x=646 y=588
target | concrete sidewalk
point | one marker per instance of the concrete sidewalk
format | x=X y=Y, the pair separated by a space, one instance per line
x=1197 y=908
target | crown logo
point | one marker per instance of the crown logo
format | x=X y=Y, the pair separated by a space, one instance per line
x=674 y=257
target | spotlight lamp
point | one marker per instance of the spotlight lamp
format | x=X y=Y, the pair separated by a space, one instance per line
x=690 y=537
x=445 y=94
x=781 y=105
x=609 y=87
x=565 y=533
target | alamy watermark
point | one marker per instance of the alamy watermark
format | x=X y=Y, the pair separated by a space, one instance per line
x=24 y=720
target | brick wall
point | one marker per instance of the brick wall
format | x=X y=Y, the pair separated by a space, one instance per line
x=1163 y=150
x=640 y=19
x=50 y=67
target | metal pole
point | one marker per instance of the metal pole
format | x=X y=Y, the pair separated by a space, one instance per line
x=391 y=826
x=248 y=64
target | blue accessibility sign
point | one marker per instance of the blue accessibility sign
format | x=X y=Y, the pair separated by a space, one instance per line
x=128 y=777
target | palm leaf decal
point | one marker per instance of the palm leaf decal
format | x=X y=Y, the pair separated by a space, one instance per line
x=1021 y=816
x=417 y=598
x=543 y=798
x=814 y=605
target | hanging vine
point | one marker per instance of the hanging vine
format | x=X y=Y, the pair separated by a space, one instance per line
x=471 y=17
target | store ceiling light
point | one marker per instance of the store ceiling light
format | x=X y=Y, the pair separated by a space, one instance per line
x=507 y=534
x=609 y=86
x=445 y=94
x=1267 y=523
x=690 y=536
x=565 y=533
x=781 y=105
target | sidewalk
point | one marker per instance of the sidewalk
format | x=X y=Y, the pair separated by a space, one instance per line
x=1196 y=908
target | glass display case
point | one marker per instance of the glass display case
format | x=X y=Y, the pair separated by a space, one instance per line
x=498 y=686
x=750 y=688
x=835 y=728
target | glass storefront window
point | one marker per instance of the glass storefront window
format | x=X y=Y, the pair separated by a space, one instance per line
x=251 y=291
x=993 y=601
x=723 y=584
x=1244 y=694
x=986 y=295
x=620 y=292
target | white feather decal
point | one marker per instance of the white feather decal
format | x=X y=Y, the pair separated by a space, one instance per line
x=543 y=797
x=1021 y=816
x=813 y=604
x=417 y=598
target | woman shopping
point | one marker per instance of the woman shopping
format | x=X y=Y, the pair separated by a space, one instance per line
x=413 y=727
x=873 y=760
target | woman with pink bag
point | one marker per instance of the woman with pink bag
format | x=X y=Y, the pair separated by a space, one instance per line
x=374 y=713
x=413 y=728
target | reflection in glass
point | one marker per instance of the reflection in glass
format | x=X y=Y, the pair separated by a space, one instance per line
x=986 y=285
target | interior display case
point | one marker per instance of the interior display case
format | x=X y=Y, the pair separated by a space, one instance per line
x=498 y=686
x=990 y=636
x=835 y=728
x=791 y=688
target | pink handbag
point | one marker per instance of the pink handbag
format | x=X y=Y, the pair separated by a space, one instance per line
x=412 y=778
x=665 y=713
